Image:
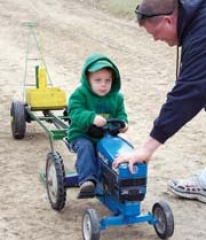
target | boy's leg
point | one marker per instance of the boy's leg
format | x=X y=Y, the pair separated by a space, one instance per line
x=193 y=187
x=86 y=164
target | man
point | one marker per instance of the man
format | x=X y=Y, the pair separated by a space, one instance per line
x=179 y=23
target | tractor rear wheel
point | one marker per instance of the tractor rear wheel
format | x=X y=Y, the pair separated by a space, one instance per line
x=55 y=175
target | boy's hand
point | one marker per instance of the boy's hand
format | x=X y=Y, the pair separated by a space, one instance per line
x=100 y=121
x=123 y=130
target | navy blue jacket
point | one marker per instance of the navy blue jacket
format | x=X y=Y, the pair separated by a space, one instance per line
x=188 y=96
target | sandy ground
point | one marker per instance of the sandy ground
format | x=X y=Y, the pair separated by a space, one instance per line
x=71 y=30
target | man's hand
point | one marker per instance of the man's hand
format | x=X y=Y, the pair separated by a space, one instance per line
x=141 y=155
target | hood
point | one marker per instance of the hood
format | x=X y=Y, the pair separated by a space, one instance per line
x=95 y=57
x=188 y=10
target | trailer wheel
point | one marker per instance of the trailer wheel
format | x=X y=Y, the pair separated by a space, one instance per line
x=90 y=225
x=18 y=119
x=165 y=220
x=55 y=175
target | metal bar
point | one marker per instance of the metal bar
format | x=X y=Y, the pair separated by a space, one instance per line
x=123 y=220
x=54 y=134
x=33 y=59
x=39 y=49
x=58 y=121
x=50 y=135
x=71 y=179
x=31 y=33
x=42 y=118
x=26 y=64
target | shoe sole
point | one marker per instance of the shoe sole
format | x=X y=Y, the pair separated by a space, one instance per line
x=88 y=189
x=193 y=196
x=86 y=195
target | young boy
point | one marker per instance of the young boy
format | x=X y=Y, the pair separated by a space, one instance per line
x=93 y=102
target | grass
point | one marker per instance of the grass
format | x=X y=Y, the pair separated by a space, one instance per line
x=123 y=8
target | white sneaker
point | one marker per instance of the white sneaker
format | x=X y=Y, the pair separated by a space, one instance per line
x=191 y=188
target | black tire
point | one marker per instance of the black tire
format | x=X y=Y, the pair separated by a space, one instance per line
x=55 y=175
x=165 y=220
x=90 y=225
x=18 y=119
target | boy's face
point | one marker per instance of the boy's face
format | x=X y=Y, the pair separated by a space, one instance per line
x=100 y=81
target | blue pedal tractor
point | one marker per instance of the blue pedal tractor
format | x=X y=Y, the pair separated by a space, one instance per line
x=119 y=190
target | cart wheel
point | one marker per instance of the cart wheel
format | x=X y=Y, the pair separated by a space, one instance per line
x=18 y=120
x=55 y=175
x=90 y=225
x=165 y=220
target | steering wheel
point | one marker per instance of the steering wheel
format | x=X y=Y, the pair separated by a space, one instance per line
x=112 y=127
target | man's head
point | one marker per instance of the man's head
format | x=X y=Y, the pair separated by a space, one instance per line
x=159 y=18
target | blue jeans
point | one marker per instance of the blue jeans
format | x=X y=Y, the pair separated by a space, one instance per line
x=86 y=164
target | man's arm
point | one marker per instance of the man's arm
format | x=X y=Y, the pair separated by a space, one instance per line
x=143 y=154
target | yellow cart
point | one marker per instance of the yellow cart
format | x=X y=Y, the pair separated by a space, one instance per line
x=40 y=100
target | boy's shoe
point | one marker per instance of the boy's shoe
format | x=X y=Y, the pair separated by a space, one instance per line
x=191 y=188
x=87 y=189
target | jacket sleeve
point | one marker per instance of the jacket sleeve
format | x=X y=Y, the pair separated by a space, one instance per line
x=77 y=110
x=121 y=111
x=187 y=97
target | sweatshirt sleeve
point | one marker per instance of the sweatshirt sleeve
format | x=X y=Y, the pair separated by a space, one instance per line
x=121 y=111
x=77 y=110
x=187 y=97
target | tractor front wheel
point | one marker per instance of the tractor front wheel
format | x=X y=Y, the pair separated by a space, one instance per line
x=90 y=225
x=165 y=220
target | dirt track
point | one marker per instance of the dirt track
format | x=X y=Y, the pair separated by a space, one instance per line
x=70 y=32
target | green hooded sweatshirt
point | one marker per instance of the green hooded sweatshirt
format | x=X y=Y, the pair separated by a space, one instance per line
x=84 y=104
